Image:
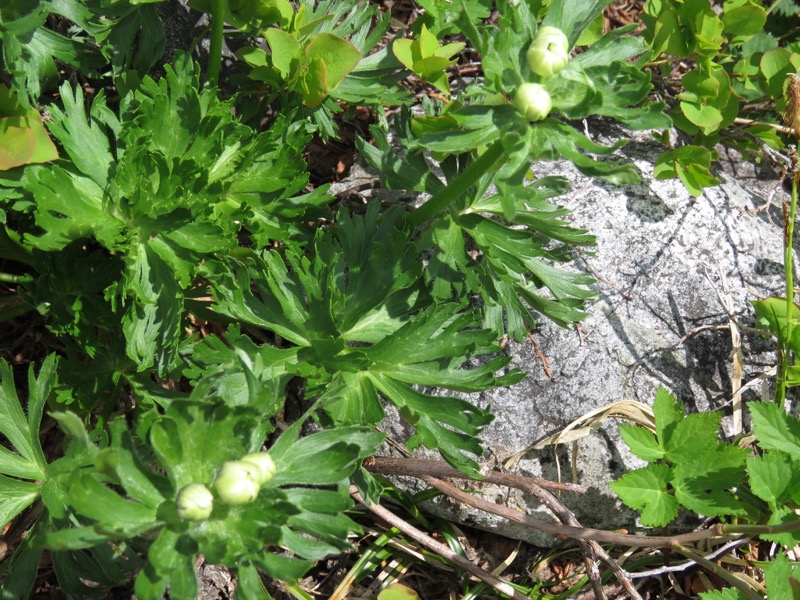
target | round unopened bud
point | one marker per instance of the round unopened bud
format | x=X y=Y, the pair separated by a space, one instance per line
x=549 y=52
x=194 y=502
x=533 y=101
x=237 y=482
x=265 y=464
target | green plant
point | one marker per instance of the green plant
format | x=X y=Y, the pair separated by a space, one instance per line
x=752 y=488
x=171 y=240
x=739 y=68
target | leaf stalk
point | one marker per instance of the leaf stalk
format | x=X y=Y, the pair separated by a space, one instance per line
x=218 y=10
x=441 y=201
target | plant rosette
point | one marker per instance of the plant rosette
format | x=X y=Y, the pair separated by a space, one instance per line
x=533 y=101
x=549 y=52
x=238 y=482
x=194 y=502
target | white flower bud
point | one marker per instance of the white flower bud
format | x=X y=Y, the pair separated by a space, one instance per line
x=237 y=482
x=533 y=101
x=264 y=463
x=549 y=52
x=194 y=502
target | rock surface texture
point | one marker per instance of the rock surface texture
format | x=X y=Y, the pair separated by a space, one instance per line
x=671 y=269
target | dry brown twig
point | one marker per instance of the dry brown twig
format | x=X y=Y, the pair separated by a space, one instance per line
x=441 y=549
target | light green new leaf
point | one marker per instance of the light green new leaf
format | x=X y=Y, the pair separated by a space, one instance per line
x=771 y=314
x=329 y=59
x=775 y=429
x=646 y=490
x=285 y=50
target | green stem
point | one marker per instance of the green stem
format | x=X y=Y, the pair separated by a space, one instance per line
x=9 y=278
x=218 y=11
x=784 y=350
x=439 y=202
x=718 y=570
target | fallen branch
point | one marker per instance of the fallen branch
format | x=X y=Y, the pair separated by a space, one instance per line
x=598 y=535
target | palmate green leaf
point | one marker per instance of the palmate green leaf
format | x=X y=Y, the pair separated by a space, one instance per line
x=16 y=496
x=165 y=186
x=710 y=502
x=517 y=257
x=83 y=139
x=172 y=565
x=121 y=461
x=668 y=413
x=152 y=323
x=782 y=515
x=69 y=209
x=427 y=414
x=782 y=578
x=323 y=458
x=646 y=490
x=573 y=16
x=320 y=528
x=772 y=477
x=691 y=437
x=408 y=171
x=239 y=372
x=354 y=311
x=192 y=440
x=775 y=429
x=21 y=430
x=641 y=442
x=115 y=515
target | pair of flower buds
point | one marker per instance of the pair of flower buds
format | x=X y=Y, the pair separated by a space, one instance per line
x=237 y=482
x=548 y=54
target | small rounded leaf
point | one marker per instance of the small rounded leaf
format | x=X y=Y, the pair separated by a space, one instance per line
x=533 y=101
x=549 y=52
x=265 y=464
x=237 y=482
x=194 y=502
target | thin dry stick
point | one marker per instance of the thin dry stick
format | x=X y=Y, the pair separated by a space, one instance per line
x=726 y=301
x=416 y=467
x=588 y=547
x=580 y=533
x=689 y=564
x=781 y=128
x=540 y=354
x=442 y=550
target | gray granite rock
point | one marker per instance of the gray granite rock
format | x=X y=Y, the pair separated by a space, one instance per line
x=665 y=263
